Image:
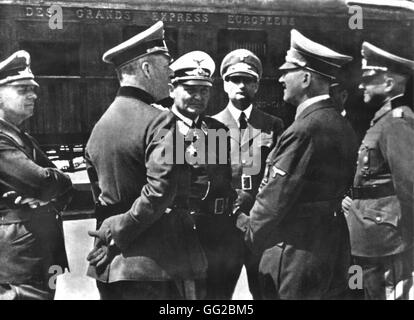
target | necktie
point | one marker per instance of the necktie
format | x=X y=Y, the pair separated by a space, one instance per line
x=242 y=121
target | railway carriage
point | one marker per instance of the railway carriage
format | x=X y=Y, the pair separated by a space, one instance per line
x=67 y=39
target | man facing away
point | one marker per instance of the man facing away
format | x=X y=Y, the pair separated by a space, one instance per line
x=34 y=193
x=144 y=250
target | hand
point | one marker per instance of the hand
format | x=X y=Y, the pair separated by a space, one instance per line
x=244 y=200
x=99 y=256
x=20 y=200
x=242 y=222
x=346 y=204
x=102 y=253
x=103 y=235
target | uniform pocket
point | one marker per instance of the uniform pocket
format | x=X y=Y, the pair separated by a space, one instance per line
x=384 y=211
x=381 y=217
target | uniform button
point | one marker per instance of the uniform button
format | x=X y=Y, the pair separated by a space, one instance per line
x=192 y=212
x=243 y=162
x=378 y=219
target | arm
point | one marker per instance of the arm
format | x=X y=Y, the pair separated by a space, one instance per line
x=21 y=174
x=156 y=195
x=397 y=144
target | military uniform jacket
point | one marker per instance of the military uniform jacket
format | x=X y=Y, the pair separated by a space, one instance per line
x=211 y=189
x=247 y=171
x=31 y=240
x=134 y=186
x=295 y=219
x=382 y=224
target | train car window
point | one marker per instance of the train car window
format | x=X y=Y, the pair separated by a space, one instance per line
x=171 y=36
x=253 y=40
x=53 y=58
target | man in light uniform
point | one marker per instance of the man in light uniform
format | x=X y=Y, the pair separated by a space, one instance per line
x=380 y=210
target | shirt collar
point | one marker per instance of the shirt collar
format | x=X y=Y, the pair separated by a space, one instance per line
x=184 y=123
x=309 y=102
x=236 y=112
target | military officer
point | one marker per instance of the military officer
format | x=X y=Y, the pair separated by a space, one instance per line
x=253 y=134
x=295 y=221
x=144 y=250
x=211 y=196
x=34 y=193
x=380 y=209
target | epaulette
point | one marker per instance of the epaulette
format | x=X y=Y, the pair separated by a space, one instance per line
x=398 y=113
x=158 y=106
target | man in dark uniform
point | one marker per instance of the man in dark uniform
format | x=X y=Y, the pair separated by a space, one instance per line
x=380 y=210
x=253 y=134
x=144 y=249
x=34 y=193
x=296 y=220
x=211 y=196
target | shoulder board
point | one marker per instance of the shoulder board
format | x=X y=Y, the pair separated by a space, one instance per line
x=158 y=106
x=398 y=113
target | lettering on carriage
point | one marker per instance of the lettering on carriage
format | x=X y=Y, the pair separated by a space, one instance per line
x=180 y=17
x=80 y=13
x=38 y=12
x=242 y=19
x=103 y=14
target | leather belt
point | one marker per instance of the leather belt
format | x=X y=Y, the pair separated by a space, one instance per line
x=322 y=207
x=216 y=206
x=374 y=191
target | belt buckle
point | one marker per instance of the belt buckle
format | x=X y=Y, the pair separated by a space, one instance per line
x=246 y=182
x=219 y=206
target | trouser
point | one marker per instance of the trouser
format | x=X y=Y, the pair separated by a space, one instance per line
x=313 y=269
x=25 y=292
x=222 y=243
x=388 y=278
x=251 y=262
x=152 y=290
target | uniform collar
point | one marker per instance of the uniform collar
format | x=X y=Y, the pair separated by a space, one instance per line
x=11 y=126
x=309 y=102
x=137 y=93
x=14 y=132
x=184 y=123
x=388 y=105
x=236 y=112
